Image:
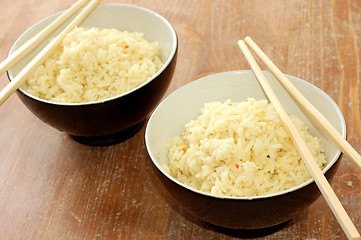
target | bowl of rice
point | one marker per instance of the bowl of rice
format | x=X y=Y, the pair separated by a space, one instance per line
x=226 y=158
x=107 y=75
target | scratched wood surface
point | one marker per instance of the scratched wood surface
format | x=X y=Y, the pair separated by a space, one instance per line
x=52 y=187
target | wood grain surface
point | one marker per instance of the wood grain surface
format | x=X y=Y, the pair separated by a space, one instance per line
x=52 y=187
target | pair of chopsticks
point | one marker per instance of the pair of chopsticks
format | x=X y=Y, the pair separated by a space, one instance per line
x=301 y=146
x=46 y=51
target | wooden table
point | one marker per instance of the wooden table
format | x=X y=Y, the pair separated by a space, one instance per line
x=52 y=187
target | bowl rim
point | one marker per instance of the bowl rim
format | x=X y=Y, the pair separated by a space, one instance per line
x=106 y=5
x=270 y=195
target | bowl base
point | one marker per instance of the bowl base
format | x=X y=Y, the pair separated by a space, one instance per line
x=252 y=233
x=111 y=138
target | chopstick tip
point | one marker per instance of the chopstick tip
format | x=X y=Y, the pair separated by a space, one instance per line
x=240 y=42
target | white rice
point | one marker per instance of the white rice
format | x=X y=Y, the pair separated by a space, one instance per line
x=240 y=149
x=94 y=64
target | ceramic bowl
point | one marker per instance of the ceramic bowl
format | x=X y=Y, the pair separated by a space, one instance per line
x=117 y=118
x=252 y=212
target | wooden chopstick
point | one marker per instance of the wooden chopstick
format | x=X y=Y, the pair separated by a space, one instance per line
x=320 y=120
x=302 y=148
x=34 y=41
x=44 y=53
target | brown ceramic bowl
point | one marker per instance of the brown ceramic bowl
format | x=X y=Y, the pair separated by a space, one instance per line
x=252 y=212
x=117 y=118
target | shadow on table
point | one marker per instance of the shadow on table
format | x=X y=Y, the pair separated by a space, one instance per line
x=254 y=233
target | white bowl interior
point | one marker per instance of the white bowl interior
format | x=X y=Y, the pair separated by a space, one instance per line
x=119 y=16
x=184 y=104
